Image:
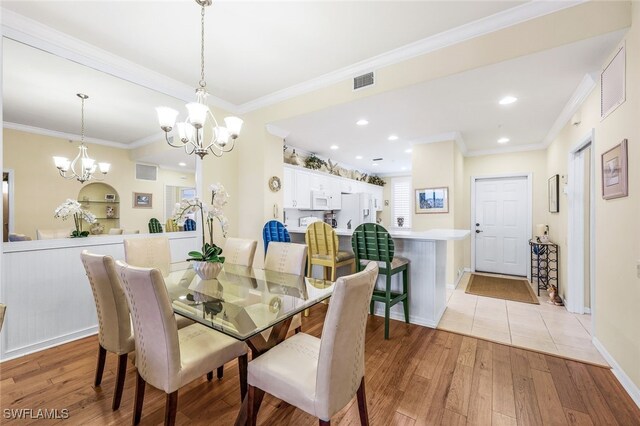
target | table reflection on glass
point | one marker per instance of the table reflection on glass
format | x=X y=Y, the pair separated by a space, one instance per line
x=244 y=302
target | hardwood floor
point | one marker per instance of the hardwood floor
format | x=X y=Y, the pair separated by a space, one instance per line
x=420 y=376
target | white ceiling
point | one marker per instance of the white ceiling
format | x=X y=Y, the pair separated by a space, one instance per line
x=253 y=48
x=464 y=104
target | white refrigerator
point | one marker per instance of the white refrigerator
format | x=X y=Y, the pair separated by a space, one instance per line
x=356 y=209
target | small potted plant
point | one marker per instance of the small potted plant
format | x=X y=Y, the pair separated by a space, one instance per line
x=72 y=208
x=208 y=262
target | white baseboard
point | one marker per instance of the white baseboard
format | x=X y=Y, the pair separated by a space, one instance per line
x=454 y=286
x=46 y=344
x=587 y=310
x=412 y=319
x=632 y=389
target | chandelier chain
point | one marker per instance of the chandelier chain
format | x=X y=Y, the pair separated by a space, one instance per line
x=82 y=123
x=202 y=82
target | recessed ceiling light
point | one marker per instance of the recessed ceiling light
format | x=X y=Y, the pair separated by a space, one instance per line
x=374 y=164
x=507 y=100
x=334 y=147
x=408 y=151
x=403 y=168
x=393 y=138
x=358 y=157
x=362 y=122
x=503 y=140
x=182 y=164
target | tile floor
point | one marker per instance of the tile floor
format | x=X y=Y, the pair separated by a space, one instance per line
x=546 y=328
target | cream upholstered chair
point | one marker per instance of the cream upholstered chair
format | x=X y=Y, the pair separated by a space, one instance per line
x=168 y=358
x=287 y=258
x=115 y=231
x=320 y=376
x=130 y=231
x=114 y=322
x=18 y=237
x=50 y=234
x=152 y=252
x=238 y=251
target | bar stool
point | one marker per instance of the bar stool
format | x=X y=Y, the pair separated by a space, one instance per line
x=154 y=226
x=274 y=231
x=322 y=242
x=371 y=242
x=171 y=226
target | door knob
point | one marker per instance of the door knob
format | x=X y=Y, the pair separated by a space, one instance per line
x=478 y=231
x=477 y=224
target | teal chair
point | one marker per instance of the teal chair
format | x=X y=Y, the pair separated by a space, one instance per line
x=154 y=226
x=371 y=242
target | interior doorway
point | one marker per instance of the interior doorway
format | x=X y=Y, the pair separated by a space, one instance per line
x=7 y=204
x=501 y=224
x=580 y=242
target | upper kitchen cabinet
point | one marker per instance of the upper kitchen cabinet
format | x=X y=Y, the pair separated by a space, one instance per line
x=377 y=197
x=297 y=189
x=335 y=191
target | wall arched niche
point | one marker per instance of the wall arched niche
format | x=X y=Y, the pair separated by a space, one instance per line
x=104 y=202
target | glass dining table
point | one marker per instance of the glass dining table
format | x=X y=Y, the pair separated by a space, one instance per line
x=244 y=302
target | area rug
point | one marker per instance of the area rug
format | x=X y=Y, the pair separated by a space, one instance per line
x=518 y=290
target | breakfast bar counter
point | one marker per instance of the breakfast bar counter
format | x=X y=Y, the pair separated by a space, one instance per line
x=427 y=251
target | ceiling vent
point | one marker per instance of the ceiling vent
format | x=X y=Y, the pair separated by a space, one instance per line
x=612 y=84
x=146 y=172
x=378 y=159
x=362 y=81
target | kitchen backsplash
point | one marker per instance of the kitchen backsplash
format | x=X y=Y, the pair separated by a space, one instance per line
x=292 y=215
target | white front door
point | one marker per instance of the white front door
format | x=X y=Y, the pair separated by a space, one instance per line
x=501 y=214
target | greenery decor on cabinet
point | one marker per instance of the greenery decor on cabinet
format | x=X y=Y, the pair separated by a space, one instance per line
x=377 y=180
x=314 y=163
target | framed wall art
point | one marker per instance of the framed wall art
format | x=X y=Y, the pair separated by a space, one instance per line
x=142 y=200
x=615 y=172
x=554 y=187
x=432 y=200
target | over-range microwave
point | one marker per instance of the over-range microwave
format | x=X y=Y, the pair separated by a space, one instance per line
x=320 y=200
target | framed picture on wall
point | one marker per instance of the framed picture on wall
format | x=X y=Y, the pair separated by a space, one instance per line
x=554 y=187
x=142 y=200
x=614 y=172
x=432 y=200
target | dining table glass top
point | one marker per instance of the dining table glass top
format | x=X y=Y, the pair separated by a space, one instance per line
x=243 y=301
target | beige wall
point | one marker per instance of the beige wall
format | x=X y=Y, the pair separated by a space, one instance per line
x=39 y=189
x=617 y=228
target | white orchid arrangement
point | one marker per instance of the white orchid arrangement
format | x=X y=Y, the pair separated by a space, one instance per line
x=213 y=211
x=72 y=208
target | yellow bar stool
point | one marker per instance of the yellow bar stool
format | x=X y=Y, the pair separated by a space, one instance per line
x=323 y=248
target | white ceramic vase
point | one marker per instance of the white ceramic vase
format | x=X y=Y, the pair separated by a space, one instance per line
x=207 y=270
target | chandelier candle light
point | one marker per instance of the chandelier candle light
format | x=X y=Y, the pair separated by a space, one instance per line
x=192 y=131
x=87 y=166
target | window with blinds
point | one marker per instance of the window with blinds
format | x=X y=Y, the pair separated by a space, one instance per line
x=401 y=199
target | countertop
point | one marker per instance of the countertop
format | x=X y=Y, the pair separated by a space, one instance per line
x=433 y=234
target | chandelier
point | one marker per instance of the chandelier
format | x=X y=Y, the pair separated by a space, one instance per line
x=218 y=139
x=86 y=166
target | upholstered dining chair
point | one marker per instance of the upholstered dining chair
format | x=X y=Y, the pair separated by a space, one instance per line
x=50 y=234
x=152 y=252
x=114 y=323
x=372 y=242
x=18 y=237
x=274 y=230
x=320 y=376
x=238 y=251
x=168 y=358
x=116 y=231
x=287 y=258
x=322 y=242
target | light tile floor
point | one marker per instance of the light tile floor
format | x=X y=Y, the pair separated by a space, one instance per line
x=545 y=327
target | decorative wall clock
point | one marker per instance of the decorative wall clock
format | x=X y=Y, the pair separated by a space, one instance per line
x=274 y=184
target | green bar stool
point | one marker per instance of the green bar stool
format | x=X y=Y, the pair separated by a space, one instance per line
x=371 y=242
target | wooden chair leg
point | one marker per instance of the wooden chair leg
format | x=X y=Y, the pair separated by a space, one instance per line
x=387 y=306
x=371 y=307
x=137 y=405
x=220 y=372
x=298 y=330
x=255 y=396
x=171 y=409
x=306 y=312
x=210 y=376
x=362 y=405
x=325 y=422
x=102 y=356
x=242 y=368
x=333 y=273
x=405 y=302
x=353 y=268
x=121 y=374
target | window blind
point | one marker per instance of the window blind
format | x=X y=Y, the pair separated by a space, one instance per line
x=401 y=198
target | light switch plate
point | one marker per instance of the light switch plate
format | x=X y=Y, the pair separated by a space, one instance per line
x=638 y=268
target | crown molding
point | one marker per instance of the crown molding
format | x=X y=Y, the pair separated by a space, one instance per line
x=277 y=131
x=33 y=33
x=443 y=137
x=506 y=150
x=480 y=27
x=62 y=135
x=587 y=84
x=156 y=137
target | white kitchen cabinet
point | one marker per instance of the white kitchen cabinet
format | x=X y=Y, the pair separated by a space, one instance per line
x=348 y=186
x=335 y=186
x=377 y=197
x=297 y=189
